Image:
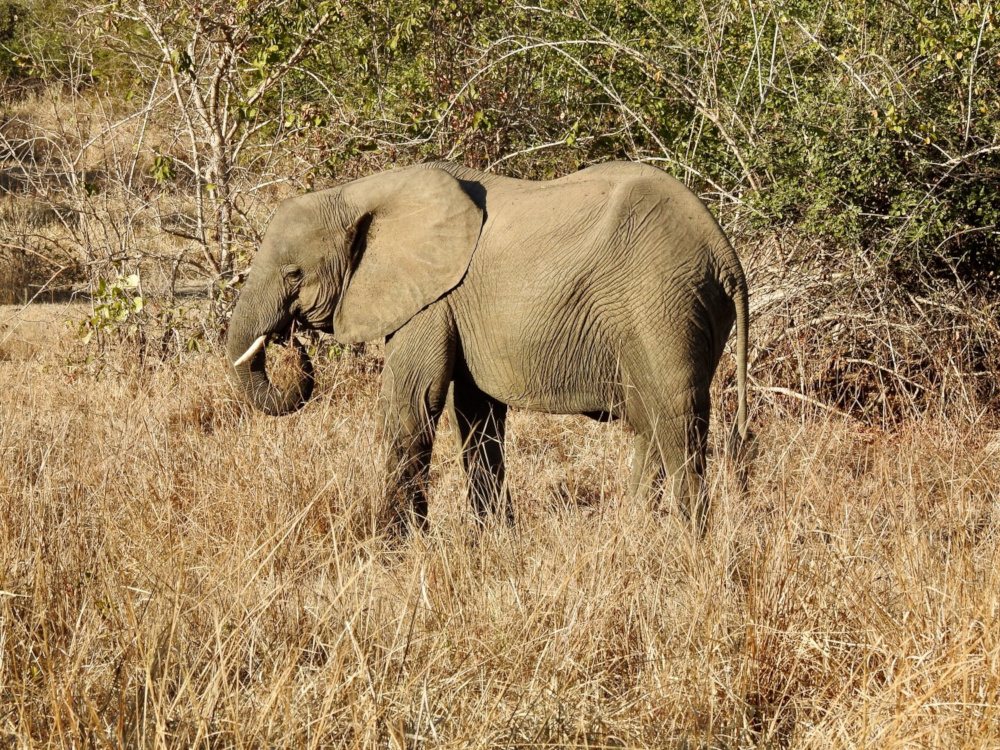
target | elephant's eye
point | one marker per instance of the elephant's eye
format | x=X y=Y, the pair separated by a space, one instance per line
x=293 y=274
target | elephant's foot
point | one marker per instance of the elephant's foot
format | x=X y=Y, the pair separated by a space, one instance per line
x=400 y=523
x=688 y=490
x=404 y=510
x=492 y=507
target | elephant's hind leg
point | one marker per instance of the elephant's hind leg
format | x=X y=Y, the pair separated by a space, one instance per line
x=419 y=359
x=670 y=457
x=685 y=465
x=481 y=422
x=682 y=446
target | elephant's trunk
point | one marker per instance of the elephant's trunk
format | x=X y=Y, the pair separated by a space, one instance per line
x=251 y=372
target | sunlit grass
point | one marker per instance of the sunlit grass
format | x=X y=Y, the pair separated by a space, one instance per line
x=178 y=570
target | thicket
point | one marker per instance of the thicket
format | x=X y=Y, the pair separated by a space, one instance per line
x=856 y=139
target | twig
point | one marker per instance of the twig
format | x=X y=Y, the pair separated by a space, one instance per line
x=888 y=371
x=33 y=252
x=846 y=67
x=972 y=70
x=806 y=399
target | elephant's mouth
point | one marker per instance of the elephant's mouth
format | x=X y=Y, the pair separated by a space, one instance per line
x=322 y=322
x=324 y=326
x=310 y=317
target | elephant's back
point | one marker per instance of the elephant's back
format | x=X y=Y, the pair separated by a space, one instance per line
x=603 y=230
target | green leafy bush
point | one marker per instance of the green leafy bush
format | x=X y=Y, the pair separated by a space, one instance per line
x=118 y=308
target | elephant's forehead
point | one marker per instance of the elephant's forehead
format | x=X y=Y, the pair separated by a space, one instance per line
x=295 y=235
x=293 y=220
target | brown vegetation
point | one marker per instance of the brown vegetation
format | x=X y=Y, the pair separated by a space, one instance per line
x=177 y=570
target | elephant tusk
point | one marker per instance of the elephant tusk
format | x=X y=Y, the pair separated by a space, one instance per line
x=254 y=348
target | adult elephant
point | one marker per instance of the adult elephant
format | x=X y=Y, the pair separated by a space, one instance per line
x=610 y=292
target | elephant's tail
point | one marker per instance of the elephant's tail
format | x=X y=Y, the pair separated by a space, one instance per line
x=735 y=283
x=742 y=301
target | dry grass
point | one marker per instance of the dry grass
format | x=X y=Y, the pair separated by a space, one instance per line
x=176 y=570
x=838 y=329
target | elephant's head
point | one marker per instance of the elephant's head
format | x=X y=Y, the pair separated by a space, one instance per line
x=357 y=261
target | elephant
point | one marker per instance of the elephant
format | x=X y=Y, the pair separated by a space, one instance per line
x=609 y=292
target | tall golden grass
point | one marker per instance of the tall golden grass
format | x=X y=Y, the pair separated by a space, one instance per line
x=177 y=570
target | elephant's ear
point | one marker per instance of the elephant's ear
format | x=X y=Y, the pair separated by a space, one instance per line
x=415 y=233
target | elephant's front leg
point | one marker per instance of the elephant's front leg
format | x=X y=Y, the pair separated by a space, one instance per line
x=481 y=422
x=419 y=359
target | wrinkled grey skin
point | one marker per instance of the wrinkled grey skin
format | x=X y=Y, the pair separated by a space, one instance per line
x=610 y=292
